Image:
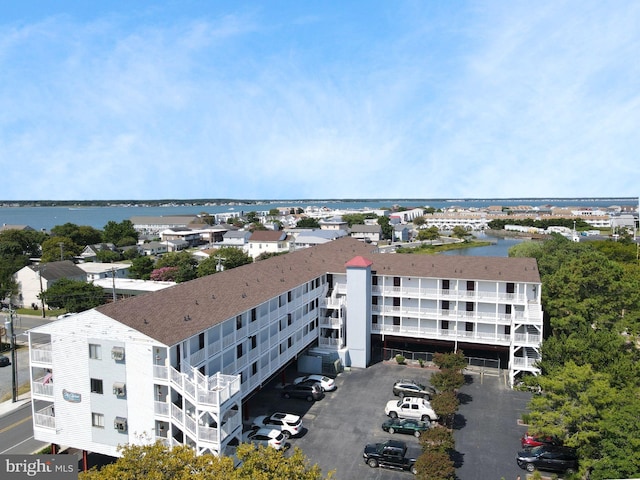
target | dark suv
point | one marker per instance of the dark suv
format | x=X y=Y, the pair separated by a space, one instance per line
x=309 y=391
x=548 y=457
x=390 y=454
x=411 y=388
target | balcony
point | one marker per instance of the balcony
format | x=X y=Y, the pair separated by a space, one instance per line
x=41 y=354
x=330 y=342
x=434 y=293
x=442 y=334
x=210 y=391
x=45 y=418
x=42 y=387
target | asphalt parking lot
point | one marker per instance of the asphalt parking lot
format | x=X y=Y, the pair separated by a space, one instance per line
x=339 y=425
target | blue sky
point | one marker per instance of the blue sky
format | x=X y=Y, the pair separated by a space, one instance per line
x=290 y=99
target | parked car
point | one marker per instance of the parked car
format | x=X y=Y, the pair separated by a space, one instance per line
x=410 y=407
x=327 y=384
x=390 y=454
x=411 y=388
x=268 y=437
x=4 y=361
x=529 y=440
x=290 y=425
x=310 y=391
x=405 y=425
x=548 y=457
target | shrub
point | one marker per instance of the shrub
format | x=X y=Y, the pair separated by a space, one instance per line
x=400 y=359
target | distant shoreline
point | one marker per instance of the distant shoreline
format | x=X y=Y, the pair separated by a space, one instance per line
x=233 y=202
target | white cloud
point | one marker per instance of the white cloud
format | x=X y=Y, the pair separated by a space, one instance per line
x=489 y=100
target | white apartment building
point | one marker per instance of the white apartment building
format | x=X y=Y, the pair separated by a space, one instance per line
x=175 y=365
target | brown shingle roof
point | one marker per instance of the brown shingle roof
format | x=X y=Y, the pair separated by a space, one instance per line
x=267 y=236
x=215 y=298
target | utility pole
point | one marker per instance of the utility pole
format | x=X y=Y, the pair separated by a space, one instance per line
x=40 y=269
x=219 y=267
x=113 y=283
x=14 y=367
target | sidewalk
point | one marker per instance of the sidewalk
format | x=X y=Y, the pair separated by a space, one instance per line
x=9 y=406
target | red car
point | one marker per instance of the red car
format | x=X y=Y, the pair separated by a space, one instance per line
x=529 y=440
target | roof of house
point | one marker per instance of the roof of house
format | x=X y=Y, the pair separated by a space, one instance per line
x=56 y=270
x=359 y=228
x=96 y=267
x=6 y=227
x=268 y=236
x=186 y=309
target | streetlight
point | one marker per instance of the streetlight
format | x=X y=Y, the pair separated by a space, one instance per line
x=14 y=367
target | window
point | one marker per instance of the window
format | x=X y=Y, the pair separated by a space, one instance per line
x=254 y=341
x=238 y=322
x=445 y=285
x=374 y=280
x=468 y=326
x=374 y=319
x=471 y=285
x=96 y=385
x=239 y=351
x=201 y=341
x=97 y=420
x=444 y=324
x=396 y=301
x=254 y=368
x=253 y=315
x=95 y=351
x=396 y=321
x=445 y=305
x=511 y=287
x=374 y=300
x=396 y=281
x=469 y=307
x=507 y=309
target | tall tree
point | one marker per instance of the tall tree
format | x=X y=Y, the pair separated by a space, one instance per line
x=120 y=234
x=55 y=249
x=183 y=262
x=73 y=296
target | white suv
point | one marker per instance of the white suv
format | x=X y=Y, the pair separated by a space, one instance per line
x=411 y=407
x=287 y=423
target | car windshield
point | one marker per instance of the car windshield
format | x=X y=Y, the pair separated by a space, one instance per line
x=537 y=450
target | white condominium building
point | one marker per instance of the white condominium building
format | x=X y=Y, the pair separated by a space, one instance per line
x=176 y=365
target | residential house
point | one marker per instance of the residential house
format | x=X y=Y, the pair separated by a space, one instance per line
x=312 y=238
x=401 y=233
x=90 y=252
x=32 y=280
x=367 y=233
x=154 y=248
x=333 y=223
x=96 y=271
x=235 y=238
x=268 y=241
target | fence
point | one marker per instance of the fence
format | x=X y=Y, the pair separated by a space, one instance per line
x=472 y=362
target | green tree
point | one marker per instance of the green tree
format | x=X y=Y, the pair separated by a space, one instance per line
x=157 y=462
x=141 y=267
x=419 y=221
x=450 y=360
x=252 y=217
x=431 y=233
x=308 y=222
x=447 y=379
x=233 y=257
x=73 y=295
x=80 y=235
x=55 y=249
x=108 y=256
x=459 y=232
x=435 y=465
x=445 y=404
x=183 y=261
x=387 y=228
x=16 y=247
x=120 y=234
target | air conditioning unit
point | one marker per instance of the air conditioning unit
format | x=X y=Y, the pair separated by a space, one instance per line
x=117 y=353
x=120 y=424
x=119 y=389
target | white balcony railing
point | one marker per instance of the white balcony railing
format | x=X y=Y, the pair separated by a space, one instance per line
x=42 y=389
x=41 y=355
x=442 y=334
x=45 y=418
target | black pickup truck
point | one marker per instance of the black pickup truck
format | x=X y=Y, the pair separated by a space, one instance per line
x=390 y=454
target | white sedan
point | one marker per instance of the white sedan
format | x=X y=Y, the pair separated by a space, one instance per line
x=327 y=384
